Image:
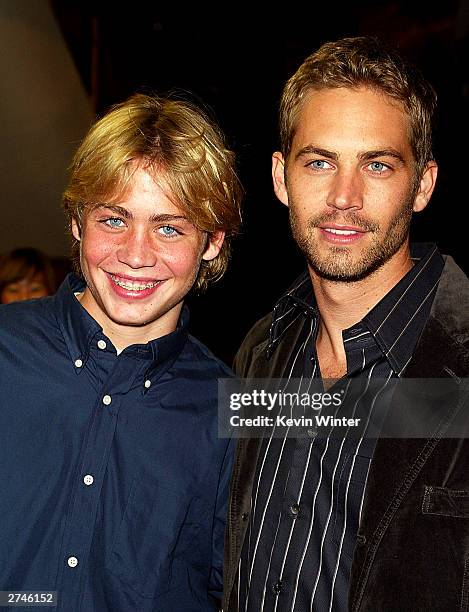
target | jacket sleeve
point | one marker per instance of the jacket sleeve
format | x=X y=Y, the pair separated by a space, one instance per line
x=257 y=334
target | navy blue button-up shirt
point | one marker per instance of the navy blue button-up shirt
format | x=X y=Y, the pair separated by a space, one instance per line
x=113 y=479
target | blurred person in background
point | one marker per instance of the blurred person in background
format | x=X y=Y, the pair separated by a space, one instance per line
x=25 y=273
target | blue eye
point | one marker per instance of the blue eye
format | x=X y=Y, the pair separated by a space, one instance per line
x=320 y=164
x=114 y=222
x=168 y=230
x=377 y=166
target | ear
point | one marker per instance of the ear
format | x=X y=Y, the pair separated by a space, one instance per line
x=426 y=186
x=75 y=229
x=214 y=244
x=278 y=177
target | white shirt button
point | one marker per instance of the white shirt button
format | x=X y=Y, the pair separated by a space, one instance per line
x=72 y=561
x=78 y=363
x=107 y=399
x=101 y=344
x=147 y=384
x=88 y=480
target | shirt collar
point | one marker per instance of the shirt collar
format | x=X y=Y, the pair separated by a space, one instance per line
x=298 y=300
x=389 y=320
x=79 y=330
x=397 y=321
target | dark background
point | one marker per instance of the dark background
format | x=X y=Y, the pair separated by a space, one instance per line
x=237 y=63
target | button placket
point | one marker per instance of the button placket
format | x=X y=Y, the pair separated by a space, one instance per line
x=81 y=521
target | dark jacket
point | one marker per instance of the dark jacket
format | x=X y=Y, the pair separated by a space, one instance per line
x=412 y=551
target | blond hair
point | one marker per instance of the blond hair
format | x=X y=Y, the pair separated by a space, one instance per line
x=363 y=62
x=175 y=139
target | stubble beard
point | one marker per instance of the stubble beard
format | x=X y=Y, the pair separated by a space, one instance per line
x=339 y=263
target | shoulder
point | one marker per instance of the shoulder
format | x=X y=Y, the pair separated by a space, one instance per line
x=202 y=358
x=252 y=356
x=23 y=318
x=26 y=330
x=451 y=304
x=444 y=343
x=256 y=338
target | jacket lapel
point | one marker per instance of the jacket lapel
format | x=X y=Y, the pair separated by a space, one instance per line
x=397 y=462
x=247 y=450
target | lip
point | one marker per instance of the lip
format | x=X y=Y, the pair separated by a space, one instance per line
x=334 y=238
x=127 y=293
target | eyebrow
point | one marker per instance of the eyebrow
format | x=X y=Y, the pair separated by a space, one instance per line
x=160 y=218
x=367 y=155
x=382 y=153
x=312 y=150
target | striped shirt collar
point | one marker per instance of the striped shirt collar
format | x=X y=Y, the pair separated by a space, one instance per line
x=395 y=323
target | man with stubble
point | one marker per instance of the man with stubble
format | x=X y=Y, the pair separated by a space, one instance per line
x=319 y=522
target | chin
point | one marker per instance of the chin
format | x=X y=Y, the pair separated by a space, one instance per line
x=347 y=273
x=132 y=320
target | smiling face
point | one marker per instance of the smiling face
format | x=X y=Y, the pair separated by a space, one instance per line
x=350 y=183
x=140 y=257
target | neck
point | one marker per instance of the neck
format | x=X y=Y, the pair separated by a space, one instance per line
x=341 y=305
x=123 y=335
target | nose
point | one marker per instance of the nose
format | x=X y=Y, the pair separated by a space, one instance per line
x=346 y=191
x=23 y=294
x=137 y=249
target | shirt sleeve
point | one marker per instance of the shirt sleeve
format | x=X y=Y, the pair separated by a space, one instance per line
x=221 y=508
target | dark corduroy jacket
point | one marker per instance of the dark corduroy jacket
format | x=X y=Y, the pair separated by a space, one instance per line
x=412 y=551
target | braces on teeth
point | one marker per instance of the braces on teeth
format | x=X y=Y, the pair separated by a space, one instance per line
x=133 y=286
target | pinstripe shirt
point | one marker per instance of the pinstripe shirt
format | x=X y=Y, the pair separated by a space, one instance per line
x=308 y=492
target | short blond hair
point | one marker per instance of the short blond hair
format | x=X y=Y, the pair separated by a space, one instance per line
x=171 y=137
x=363 y=61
